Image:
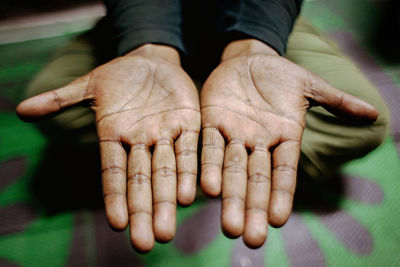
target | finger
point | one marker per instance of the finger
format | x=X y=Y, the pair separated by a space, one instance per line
x=140 y=198
x=340 y=103
x=113 y=162
x=234 y=180
x=212 y=156
x=164 y=190
x=284 y=161
x=257 y=197
x=53 y=101
x=186 y=163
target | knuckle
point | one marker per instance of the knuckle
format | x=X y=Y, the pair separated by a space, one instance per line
x=164 y=142
x=139 y=212
x=212 y=147
x=165 y=202
x=113 y=170
x=233 y=199
x=285 y=168
x=236 y=142
x=256 y=209
x=210 y=164
x=164 y=171
x=139 y=147
x=234 y=168
x=187 y=173
x=56 y=99
x=186 y=152
x=339 y=100
x=139 y=178
x=112 y=194
x=259 y=177
x=260 y=148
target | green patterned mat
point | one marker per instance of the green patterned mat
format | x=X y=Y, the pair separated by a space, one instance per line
x=353 y=222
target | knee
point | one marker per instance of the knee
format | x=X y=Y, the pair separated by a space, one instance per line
x=328 y=141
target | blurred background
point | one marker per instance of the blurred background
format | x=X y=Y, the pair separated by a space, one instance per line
x=51 y=216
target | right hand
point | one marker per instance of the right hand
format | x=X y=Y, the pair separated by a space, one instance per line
x=253 y=116
x=142 y=102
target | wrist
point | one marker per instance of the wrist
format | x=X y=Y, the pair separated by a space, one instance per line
x=155 y=50
x=246 y=47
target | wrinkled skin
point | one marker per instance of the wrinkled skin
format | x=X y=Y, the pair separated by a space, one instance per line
x=253 y=116
x=141 y=103
x=148 y=121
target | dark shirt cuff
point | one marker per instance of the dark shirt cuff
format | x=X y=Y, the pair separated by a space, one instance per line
x=138 y=22
x=135 y=38
x=268 y=21
x=264 y=35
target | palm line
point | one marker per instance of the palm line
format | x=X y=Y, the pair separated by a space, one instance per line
x=130 y=109
x=161 y=112
x=240 y=114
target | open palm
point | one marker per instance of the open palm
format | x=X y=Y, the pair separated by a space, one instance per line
x=253 y=116
x=148 y=121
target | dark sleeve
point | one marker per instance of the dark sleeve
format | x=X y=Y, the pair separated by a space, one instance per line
x=137 y=22
x=270 y=21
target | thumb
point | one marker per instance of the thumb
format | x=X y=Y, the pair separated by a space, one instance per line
x=53 y=101
x=339 y=103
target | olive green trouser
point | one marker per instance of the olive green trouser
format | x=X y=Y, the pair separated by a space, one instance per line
x=327 y=142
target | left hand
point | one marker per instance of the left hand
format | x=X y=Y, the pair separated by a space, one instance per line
x=142 y=100
x=256 y=103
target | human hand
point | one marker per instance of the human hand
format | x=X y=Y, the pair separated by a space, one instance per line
x=253 y=115
x=142 y=101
